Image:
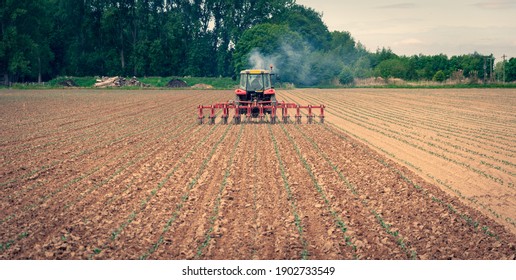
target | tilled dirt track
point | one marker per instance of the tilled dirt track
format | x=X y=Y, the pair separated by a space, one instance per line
x=129 y=175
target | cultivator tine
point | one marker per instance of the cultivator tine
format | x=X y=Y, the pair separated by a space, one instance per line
x=261 y=115
x=225 y=114
x=212 y=115
x=284 y=112
x=310 y=116
x=236 y=117
x=298 y=114
x=248 y=114
x=200 y=118
x=321 y=116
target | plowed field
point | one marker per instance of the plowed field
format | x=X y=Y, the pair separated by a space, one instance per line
x=130 y=175
x=463 y=141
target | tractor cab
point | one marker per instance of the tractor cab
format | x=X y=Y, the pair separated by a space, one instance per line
x=255 y=85
x=255 y=80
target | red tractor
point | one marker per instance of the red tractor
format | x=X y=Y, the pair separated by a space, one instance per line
x=255 y=98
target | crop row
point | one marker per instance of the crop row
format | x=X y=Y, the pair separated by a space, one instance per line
x=383 y=121
x=71 y=195
x=391 y=133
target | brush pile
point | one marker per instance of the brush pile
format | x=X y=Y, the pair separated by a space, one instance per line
x=176 y=83
x=67 y=83
x=119 y=82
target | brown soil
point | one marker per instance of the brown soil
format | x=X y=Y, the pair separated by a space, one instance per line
x=125 y=175
x=460 y=140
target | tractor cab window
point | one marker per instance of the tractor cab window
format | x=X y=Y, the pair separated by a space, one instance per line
x=267 y=81
x=258 y=82
x=255 y=82
x=243 y=81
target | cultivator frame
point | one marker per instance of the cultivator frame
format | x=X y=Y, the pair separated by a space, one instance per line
x=262 y=108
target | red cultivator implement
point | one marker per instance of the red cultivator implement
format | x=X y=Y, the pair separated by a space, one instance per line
x=255 y=99
x=258 y=110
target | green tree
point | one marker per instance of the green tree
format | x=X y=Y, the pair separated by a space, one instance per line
x=24 y=48
x=323 y=67
x=307 y=23
x=510 y=70
x=344 y=46
x=362 y=68
x=425 y=67
x=267 y=39
x=439 y=76
x=471 y=64
x=381 y=55
x=393 y=68
x=346 y=76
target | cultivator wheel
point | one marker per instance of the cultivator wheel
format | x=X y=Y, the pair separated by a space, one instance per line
x=258 y=110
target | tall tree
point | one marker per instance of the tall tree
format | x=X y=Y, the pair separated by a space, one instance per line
x=306 y=22
x=344 y=46
x=510 y=70
x=24 y=48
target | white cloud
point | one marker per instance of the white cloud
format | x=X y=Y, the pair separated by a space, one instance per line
x=496 y=4
x=409 y=41
x=428 y=27
x=398 y=6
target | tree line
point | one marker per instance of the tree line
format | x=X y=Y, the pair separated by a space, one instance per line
x=209 y=38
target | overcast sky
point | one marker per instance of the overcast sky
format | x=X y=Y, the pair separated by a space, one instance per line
x=450 y=27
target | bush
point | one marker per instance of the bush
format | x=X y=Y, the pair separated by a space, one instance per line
x=346 y=76
x=439 y=76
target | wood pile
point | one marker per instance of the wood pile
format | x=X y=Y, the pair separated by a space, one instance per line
x=118 y=82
